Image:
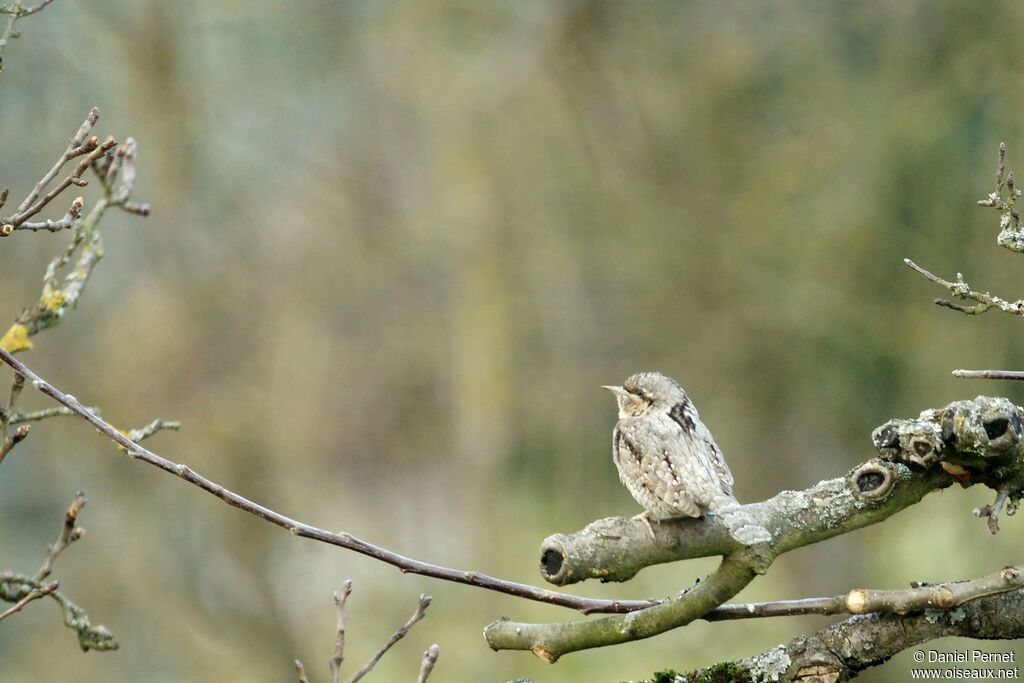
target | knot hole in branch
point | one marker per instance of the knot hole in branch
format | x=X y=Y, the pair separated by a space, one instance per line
x=551 y=562
x=921 y=454
x=871 y=481
x=1000 y=429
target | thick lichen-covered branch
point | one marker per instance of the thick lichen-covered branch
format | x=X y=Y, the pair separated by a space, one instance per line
x=551 y=641
x=843 y=650
x=978 y=441
x=615 y=549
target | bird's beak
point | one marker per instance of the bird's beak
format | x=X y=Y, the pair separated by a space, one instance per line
x=622 y=399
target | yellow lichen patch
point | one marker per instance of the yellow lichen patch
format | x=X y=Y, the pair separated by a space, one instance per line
x=125 y=434
x=54 y=299
x=15 y=339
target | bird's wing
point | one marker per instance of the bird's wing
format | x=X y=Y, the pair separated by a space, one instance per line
x=684 y=415
x=648 y=469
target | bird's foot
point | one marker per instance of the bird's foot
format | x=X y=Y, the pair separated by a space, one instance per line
x=646 y=518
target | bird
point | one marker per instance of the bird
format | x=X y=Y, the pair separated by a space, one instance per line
x=668 y=460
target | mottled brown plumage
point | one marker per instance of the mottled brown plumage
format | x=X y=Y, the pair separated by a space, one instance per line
x=668 y=459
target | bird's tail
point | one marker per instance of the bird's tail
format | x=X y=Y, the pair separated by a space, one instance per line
x=741 y=525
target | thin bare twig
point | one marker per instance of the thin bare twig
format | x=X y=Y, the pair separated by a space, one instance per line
x=69 y=533
x=1011 y=236
x=989 y=374
x=429 y=659
x=301 y=670
x=1001 y=168
x=339 y=643
x=421 y=610
x=152 y=428
x=941 y=596
x=15 y=11
x=68 y=221
x=993 y=509
x=7 y=439
x=39 y=415
x=79 y=145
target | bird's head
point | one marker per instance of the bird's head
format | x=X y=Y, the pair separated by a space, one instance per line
x=645 y=390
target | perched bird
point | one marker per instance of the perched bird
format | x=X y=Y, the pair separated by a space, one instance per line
x=669 y=461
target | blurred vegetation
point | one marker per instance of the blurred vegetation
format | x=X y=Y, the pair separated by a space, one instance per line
x=395 y=250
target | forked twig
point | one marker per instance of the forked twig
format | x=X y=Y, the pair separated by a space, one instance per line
x=339 y=643
x=989 y=374
x=421 y=610
x=33 y=594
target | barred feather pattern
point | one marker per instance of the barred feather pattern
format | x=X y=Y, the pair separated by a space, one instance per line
x=668 y=460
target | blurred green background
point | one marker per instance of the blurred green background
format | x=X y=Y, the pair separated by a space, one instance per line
x=395 y=250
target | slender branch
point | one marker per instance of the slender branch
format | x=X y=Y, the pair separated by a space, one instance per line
x=7 y=439
x=421 y=610
x=152 y=428
x=339 y=644
x=14 y=587
x=61 y=295
x=15 y=11
x=69 y=533
x=551 y=641
x=39 y=415
x=942 y=596
x=80 y=144
x=301 y=669
x=429 y=659
x=989 y=374
x=961 y=290
x=68 y=221
x=340 y=539
x=33 y=594
x=992 y=510
x=1011 y=236
x=95 y=151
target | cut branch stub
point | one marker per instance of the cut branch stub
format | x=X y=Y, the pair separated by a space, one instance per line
x=872 y=481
